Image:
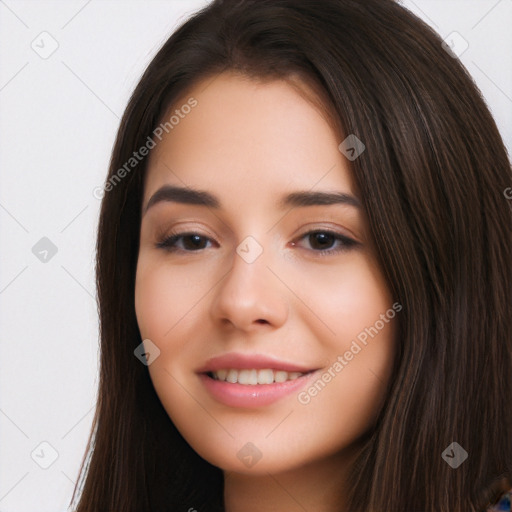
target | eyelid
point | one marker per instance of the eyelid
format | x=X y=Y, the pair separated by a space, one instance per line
x=332 y=228
x=197 y=228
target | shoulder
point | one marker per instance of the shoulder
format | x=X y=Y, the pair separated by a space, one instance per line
x=503 y=504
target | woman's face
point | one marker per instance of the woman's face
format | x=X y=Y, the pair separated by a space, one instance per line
x=288 y=292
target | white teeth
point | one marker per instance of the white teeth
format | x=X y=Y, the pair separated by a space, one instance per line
x=253 y=377
x=280 y=376
x=265 y=376
x=222 y=374
x=232 y=376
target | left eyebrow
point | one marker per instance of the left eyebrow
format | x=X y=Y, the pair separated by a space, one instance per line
x=187 y=195
x=307 y=198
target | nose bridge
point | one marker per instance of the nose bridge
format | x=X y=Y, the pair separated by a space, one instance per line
x=249 y=274
x=250 y=293
x=250 y=250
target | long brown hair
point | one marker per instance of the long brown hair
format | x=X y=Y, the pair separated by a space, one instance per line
x=431 y=180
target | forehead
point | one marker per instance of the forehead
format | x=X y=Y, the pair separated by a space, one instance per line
x=267 y=135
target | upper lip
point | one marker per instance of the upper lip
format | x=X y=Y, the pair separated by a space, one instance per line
x=245 y=361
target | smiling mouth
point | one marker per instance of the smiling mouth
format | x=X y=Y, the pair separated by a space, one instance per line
x=254 y=377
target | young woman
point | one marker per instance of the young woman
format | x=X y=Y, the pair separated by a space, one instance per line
x=303 y=272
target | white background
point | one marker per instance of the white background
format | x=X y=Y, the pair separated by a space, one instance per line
x=58 y=121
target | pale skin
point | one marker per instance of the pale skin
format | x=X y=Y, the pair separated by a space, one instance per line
x=249 y=144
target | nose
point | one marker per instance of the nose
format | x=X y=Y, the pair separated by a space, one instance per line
x=250 y=294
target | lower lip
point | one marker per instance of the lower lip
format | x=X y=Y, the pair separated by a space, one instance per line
x=243 y=395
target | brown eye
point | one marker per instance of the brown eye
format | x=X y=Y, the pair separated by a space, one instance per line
x=191 y=242
x=322 y=242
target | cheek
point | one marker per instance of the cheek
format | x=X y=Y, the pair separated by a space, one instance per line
x=347 y=299
x=366 y=327
x=152 y=297
x=164 y=296
x=352 y=305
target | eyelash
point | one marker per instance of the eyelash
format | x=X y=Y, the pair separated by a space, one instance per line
x=169 y=242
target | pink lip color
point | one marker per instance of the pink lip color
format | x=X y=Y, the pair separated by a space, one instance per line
x=252 y=396
x=242 y=361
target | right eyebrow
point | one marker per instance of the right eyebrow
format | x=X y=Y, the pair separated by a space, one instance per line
x=185 y=195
